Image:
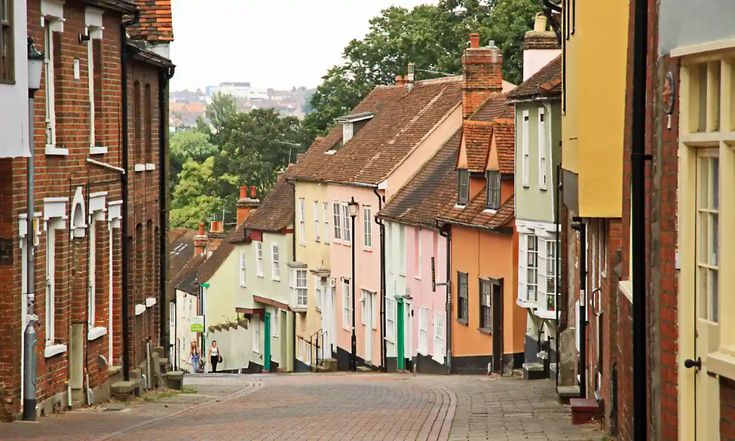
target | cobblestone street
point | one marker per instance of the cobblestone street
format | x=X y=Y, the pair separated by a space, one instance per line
x=336 y=406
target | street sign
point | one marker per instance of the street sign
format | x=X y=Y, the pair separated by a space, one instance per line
x=204 y=285
x=197 y=323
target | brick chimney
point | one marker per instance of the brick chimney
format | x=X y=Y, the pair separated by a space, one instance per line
x=216 y=227
x=200 y=240
x=247 y=203
x=540 y=46
x=399 y=80
x=483 y=74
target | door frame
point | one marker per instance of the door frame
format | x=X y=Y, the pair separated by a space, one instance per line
x=400 y=334
x=267 y=341
x=368 y=311
x=496 y=292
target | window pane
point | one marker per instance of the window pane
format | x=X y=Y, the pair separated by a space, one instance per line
x=715 y=203
x=703 y=292
x=714 y=300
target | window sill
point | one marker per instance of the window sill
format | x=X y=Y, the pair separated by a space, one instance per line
x=260 y=275
x=139 y=167
x=626 y=288
x=299 y=309
x=525 y=303
x=52 y=150
x=150 y=166
x=275 y=279
x=462 y=321
x=490 y=211
x=545 y=314
x=139 y=309
x=487 y=331
x=53 y=350
x=367 y=250
x=95 y=333
x=150 y=301
x=97 y=150
x=722 y=362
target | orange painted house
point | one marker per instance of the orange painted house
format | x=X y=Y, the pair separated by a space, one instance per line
x=487 y=328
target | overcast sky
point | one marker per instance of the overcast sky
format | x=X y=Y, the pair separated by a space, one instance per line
x=270 y=43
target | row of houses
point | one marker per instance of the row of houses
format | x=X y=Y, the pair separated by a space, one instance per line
x=573 y=226
x=83 y=154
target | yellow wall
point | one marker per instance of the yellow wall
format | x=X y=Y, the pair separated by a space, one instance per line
x=314 y=254
x=593 y=125
x=219 y=298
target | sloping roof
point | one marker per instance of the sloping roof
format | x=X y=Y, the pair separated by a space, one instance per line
x=187 y=280
x=216 y=259
x=504 y=142
x=181 y=244
x=429 y=192
x=544 y=83
x=497 y=106
x=475 y=214
x=276 y=212
x=401 y=121
x=477 y=136
x=156 y=22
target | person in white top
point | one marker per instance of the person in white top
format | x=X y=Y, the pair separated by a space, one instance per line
x=214 y=355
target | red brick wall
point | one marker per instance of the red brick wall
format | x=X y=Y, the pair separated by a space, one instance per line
x=483 y=76
x=727 y=409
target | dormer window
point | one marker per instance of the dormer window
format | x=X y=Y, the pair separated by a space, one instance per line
x=463 y=186
x=352 y=123
x=493 y=190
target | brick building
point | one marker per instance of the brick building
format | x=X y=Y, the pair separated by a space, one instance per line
x=79 y=184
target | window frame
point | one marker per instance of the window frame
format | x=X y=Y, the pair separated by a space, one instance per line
x=542 y=150
x=493 y=188
x=302 y=222
x=275 y=262
x=525 y=154
x=243 y=270
x=259 y=258
x=325 y=223
x=367 y=224
x=463 y=186
x=318 y=292
x=463 y=300
x=256 y=336
x=423 y=346
x=275 y=322
x=317 y=227
x=485 y=303
x=7 y=43
x=346 y=224
x=299 y=293
x=337 y=217
x=439 y=336
x=390 y=319
x=346 y=305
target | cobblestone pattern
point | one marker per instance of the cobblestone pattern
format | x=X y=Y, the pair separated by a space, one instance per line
x=336 y=406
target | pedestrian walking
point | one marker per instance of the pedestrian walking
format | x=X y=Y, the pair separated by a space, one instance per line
x=214 y=356
x=195 y=357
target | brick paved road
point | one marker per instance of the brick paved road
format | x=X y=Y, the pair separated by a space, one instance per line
x=337 y=406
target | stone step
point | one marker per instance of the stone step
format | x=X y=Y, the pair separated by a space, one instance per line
x=327 y=365
x=533 y=371
x=364 y=369
x=584 y=410
x=566 y=393
x=174 y=379
x=125 y=390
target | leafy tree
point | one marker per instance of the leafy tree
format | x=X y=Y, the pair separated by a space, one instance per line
x=194 y=198
x=188 y=145
x=431 y=37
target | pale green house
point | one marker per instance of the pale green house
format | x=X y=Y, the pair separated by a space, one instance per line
x=537 y=156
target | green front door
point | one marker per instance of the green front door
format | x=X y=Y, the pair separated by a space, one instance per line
x=267 y=343
x=400 y=336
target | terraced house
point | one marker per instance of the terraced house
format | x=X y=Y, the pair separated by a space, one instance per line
x=341 y=183
x=87 y=290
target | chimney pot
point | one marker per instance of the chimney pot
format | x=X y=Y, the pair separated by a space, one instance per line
x=474 y=40
x=201 y=228
x=243 y=191
x=253 y=192
x=399 y=80
x=540 y=22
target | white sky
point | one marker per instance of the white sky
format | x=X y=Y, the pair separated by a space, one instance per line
x=270 y=43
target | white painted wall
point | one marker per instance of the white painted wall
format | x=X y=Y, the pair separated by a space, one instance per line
x=14 y=97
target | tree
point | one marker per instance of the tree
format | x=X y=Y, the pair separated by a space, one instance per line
x=194 y=199
x=431 y=37
x=188 y=145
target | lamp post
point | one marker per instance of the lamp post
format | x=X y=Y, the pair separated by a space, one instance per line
x=353 y=206
x=35 y=67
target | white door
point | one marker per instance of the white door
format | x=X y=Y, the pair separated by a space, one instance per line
x=408 y=331
x=368 y=326
x=332 y=333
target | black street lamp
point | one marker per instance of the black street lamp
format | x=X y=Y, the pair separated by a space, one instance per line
x=35 y=68
x=354 y=207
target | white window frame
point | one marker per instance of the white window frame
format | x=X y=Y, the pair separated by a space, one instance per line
x=93 y=24
x=319 y=292
x=299 y=287
x=439 y=346
x=390 y=319
x=531 y=282
x=259 y=258
x=317 y=228
x=256 y=335
x=325 y=212
x=367 y=227
x=346 y=305
x=522 y=259
x=243 y=269
x=542 y=149
x=346 y=225
x=546 y=273
x=275 y=262
x=50 y=306
x=275 y=322
x=525 y=160
x=302 y=222
x=423 y=330
x=51 y=24
x=337 y=216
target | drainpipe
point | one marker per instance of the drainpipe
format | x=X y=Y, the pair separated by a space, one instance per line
x=582 y=228
x=448 y=314
x=124 y=190
x=557 y=264
x=165 y=75
x=383 y=345
x=638 y=194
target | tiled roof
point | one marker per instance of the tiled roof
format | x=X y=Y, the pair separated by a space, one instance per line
x=430 y=191
x=504 y=142
x=476 y=215
x=497 y=106
x=156 y=23
x=544 y=83
x=216 y=259
x=181 y=244
x=402 y=119
x=276 y=212
x=187 y=280
x=477 y=136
